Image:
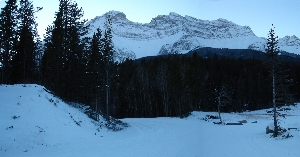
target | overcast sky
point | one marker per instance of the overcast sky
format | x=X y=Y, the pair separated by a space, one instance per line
x=258 y=14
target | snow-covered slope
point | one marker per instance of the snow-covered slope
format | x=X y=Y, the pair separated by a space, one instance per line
x=175 y=33
x=34 y=123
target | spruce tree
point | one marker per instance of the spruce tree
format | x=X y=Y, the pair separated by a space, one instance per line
x=24 y=62
x=108 y=54
x=272 y=53
x=64 y=61
x=8 y=37
x=46 y=70
x=94 y=70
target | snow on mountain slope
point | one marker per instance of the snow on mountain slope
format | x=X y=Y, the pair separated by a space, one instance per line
x=290 y=44
x=34 y=123
x=175 y=33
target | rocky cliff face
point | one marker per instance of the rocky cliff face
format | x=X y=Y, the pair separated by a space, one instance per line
x=174 y=33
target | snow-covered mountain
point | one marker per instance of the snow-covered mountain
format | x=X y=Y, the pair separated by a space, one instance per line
x=175 y=33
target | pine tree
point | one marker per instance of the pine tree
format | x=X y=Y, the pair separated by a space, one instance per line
x=24 y=62
x=75 y=63
x=94 y=67
x=108 y=54
x=272 y=53
x=8 y=37
x=64 y=61
x=46 y=58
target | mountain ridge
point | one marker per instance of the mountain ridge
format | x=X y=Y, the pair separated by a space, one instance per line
x=173 y=33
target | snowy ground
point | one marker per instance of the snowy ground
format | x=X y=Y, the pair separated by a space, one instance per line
x=32 y=125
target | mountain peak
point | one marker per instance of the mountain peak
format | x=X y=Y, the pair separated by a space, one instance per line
x=223 y=20
x=116 y=15
x=167 y=18
x=98 y=21
x=173 y=14
x=294 y=37
x=290 y=41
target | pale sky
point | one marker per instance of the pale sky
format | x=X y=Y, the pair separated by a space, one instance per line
x=258 y=14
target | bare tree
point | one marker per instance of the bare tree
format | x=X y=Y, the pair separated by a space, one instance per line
x=223 y=98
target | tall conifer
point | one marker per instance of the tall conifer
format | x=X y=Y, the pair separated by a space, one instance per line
x=272 y=53
x=24 y=62
x=8 y=37
x=64 y=61
x=108 y=54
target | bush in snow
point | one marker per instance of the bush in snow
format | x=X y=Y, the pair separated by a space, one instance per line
x=15 y=117
x=208 y=117
x=11 y=127
x=282 y=132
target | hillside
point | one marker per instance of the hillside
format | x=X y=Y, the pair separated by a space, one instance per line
x=34 y=123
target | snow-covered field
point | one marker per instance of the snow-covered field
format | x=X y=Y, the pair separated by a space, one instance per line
x=34 y=123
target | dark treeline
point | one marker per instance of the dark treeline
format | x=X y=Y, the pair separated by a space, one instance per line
x=84 y=69
x=176 y=85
